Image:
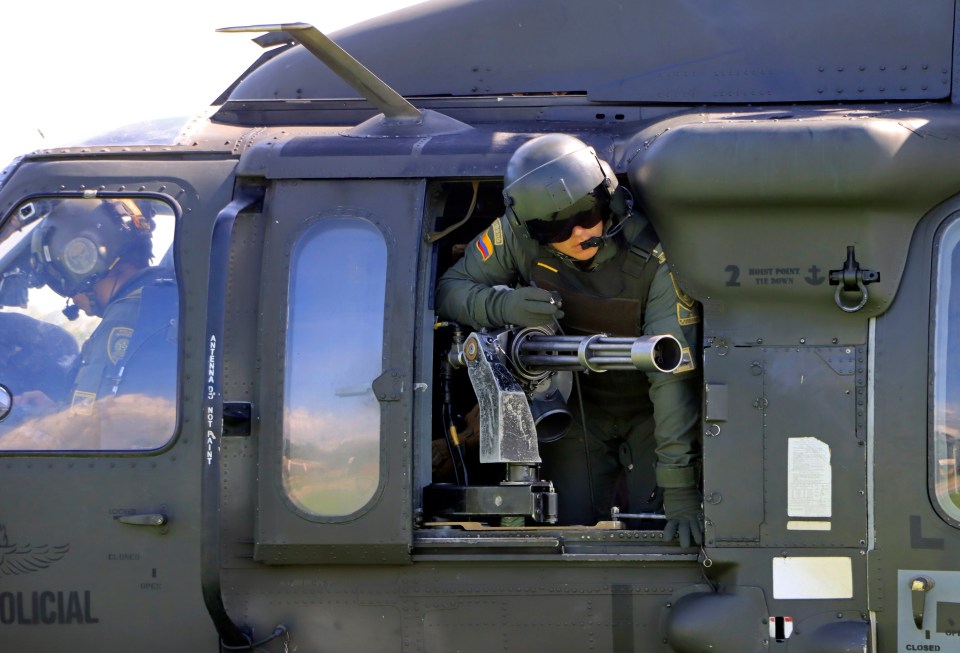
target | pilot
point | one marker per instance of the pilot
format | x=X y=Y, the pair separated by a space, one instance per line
x=570 y=230
x=97 y=254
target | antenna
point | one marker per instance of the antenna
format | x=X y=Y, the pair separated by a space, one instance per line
x=392 y=104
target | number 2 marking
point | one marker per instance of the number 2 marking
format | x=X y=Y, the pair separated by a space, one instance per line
x=734 y=271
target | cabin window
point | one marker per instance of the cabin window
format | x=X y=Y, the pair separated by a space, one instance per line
x=334 y=352
x=88 y=325
x=946 y=404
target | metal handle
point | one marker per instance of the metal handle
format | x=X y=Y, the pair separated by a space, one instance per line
x=919 y=586
x=150 y=519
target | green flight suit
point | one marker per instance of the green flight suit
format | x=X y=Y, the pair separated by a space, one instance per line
x=642 y=429
x=103 y=357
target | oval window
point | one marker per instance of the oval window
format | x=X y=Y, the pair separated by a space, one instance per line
x=334 y=352
x=946 y=374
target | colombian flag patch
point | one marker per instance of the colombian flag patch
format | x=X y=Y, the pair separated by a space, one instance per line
x=484 y=245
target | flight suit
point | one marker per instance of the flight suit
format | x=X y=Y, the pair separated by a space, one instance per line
x=641 y=429
x=103 y=361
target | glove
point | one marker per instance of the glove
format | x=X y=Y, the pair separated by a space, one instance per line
x=528 y=306
x=683 y=511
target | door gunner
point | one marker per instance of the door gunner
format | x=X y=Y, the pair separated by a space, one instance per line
x=569 y=228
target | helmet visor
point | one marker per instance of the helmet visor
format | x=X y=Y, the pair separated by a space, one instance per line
x=560 y=228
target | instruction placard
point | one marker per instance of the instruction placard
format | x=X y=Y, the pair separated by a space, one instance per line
x=809 y=486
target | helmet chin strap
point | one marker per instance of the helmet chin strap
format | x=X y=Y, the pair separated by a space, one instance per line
x=621 y=202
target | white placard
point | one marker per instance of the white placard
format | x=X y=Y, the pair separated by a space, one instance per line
x=809 y=486
x=813 y=578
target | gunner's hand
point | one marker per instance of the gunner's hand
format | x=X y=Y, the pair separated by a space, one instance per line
x=529 y=306
x=682 y=507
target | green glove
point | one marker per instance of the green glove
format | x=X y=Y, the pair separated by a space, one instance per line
x=527 y=306
x=683 y=510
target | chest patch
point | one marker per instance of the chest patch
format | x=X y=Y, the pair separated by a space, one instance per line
x=82 y=402
x=117 y=343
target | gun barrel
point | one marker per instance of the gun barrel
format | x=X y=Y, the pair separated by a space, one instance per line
x=597 y=353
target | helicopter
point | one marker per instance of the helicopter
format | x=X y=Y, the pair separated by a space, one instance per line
x=273 y=461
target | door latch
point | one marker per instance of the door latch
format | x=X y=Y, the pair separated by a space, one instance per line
x=852 y=279
x=919 y=586
x=153 y=519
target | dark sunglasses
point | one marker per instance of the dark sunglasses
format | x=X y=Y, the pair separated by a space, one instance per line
x=557 y=231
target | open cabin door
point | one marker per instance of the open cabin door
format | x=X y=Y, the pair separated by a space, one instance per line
x=337 y=382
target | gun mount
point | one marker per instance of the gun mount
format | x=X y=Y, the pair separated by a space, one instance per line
x=522 y=378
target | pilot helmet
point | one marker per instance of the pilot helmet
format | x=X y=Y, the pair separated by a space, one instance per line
x=80 y=241
x=554 y=182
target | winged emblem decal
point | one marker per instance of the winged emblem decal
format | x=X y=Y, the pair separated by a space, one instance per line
x=16 y=559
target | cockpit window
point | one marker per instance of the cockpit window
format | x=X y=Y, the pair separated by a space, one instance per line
x=946 y=370
x=88 y=325
x=334 y=352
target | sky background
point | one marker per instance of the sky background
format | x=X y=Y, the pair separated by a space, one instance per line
x=69 y=71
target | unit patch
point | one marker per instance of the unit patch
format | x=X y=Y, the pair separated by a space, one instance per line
x=117 y=343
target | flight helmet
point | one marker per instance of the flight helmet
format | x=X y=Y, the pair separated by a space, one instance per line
x=555 y=182
x=81 y=240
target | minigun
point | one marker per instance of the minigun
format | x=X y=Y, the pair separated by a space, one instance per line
x=522 y=377
x=512 y=367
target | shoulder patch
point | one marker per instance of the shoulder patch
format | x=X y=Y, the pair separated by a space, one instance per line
x=497 y=233
x=485 y=245
x=117 y=343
